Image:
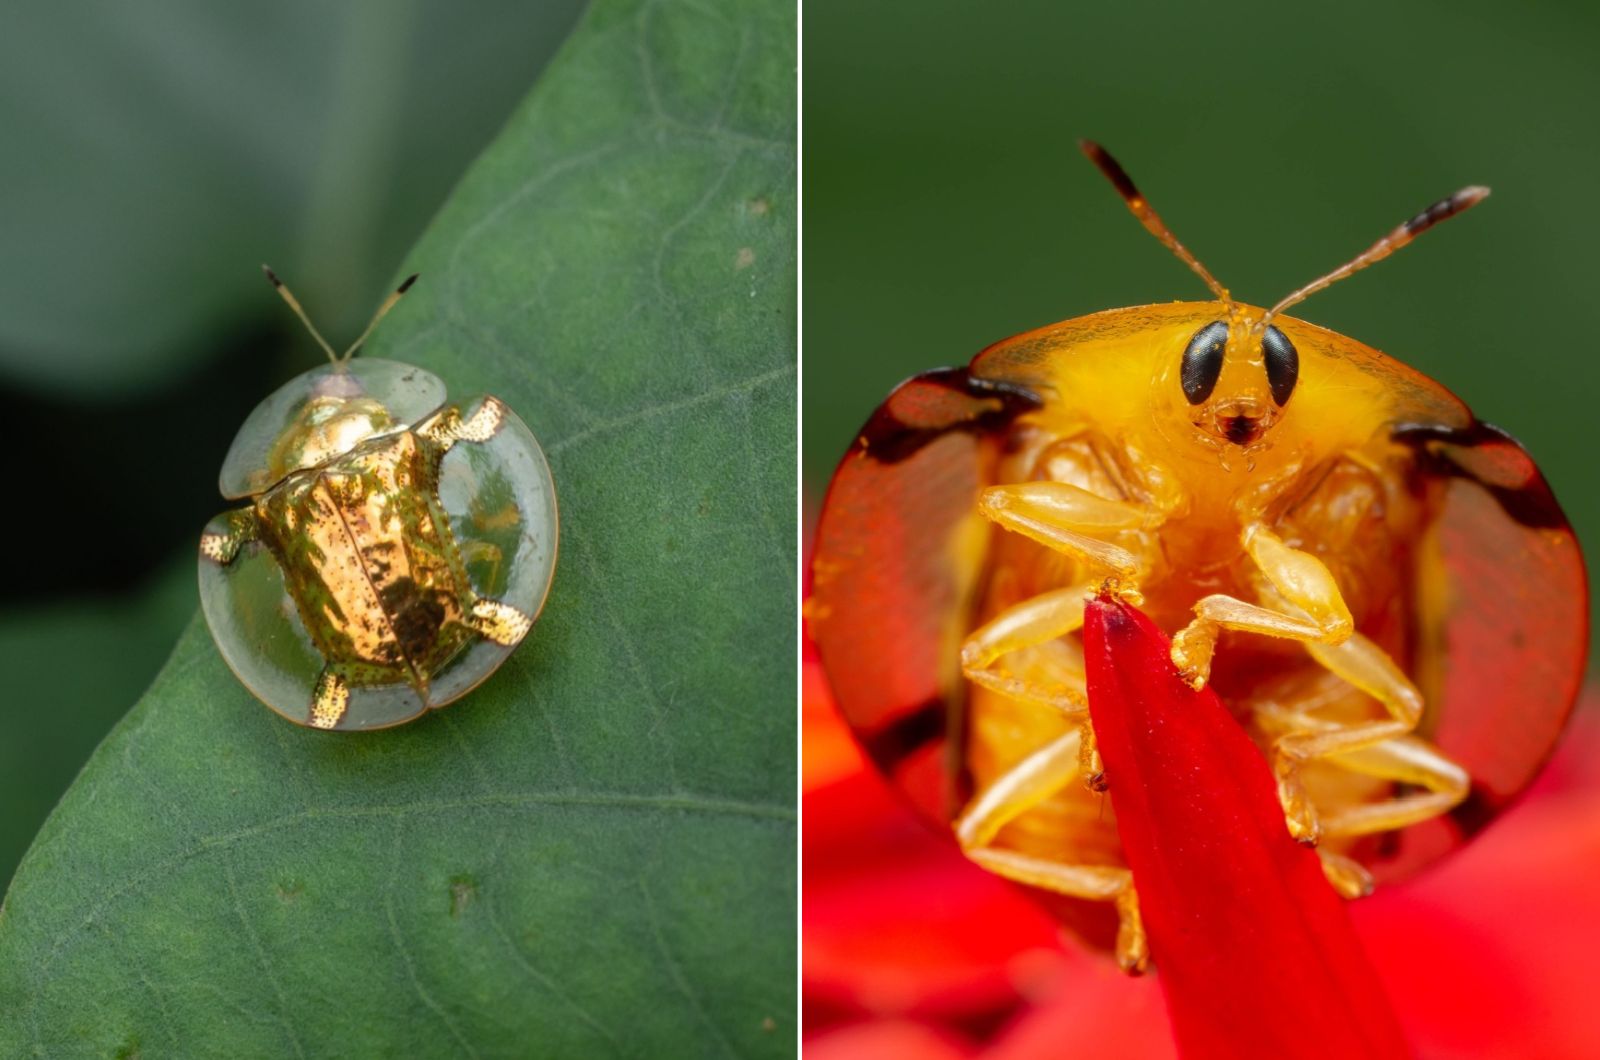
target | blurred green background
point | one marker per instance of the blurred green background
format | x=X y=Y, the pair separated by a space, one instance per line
x=153 y=157
x=946 y=204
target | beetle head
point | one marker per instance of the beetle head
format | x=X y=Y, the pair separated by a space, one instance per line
x=328 y=424
x=1236 y=375
x=339 y=414
x=1239 y=371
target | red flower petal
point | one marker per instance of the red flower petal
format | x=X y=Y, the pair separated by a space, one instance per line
x=1255 y=951
x=896 y=921
x=896 y=1039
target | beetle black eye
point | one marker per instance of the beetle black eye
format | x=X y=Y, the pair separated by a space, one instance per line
x=1283 y=363
x=1202 y=361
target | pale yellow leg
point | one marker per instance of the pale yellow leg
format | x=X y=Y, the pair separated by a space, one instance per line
x=1312 y=611
x=329 y=699
x=1348 y=876
x=1044 y=669
x=1368 y=668
x=1046 y=617
x=1048 y=671
x=499 y=622
x=1090 y=765
x=1030 y=782
x=1063 y=517
x=1315 y=610
x=1409 y=760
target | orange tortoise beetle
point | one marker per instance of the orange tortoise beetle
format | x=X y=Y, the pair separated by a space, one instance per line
x=1382 y=589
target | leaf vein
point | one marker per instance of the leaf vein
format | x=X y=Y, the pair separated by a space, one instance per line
x=630 y=652
x=405 y=954
x=261 y=956
x=491 y=907
x=674 y=801
x=628 y=419
x=675 y=970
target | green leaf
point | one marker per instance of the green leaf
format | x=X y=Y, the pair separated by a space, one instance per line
x=155 y=154
x=56 y=708
x=593 y=854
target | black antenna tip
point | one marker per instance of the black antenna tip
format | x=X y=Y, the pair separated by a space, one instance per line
x=271 y=275
x=1445 y=209
x=1111 y=169
x=406 y=286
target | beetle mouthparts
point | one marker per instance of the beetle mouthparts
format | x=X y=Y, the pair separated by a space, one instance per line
x=1241 y=430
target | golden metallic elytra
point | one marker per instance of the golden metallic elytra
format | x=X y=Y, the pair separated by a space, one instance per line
x=394 y=550
x=1382 y=588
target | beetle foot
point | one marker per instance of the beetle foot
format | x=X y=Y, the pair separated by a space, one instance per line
x=1348 y=876
x=1133 y=946
x=499 y=622
x=482 y=424
x=1127 y=592
x=1298 y=813
x=1192 y=649
x=222 y=546
x=1090 y=765
x=329 y=699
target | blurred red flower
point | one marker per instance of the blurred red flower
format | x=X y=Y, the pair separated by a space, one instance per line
x=911 y=951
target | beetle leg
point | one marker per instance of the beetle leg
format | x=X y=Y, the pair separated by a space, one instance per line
x=446 y=427
x=1041 y=619
x=1027 y=784
x=1367 y=667
x=1043 y=669
x=1315 y=612
x=1408 y=760
x=1062 y=517
x=222 y=546
x=330 y=698
x=1381 y=749
x=498 y=622
x=1365 y=749
x=1347 y=875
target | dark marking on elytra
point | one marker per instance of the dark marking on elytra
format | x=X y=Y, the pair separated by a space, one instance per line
x=889 y=440
x=933 y=723
x=1475 y=811
x=1529 y=503
x=415 y=615
x=909 y=732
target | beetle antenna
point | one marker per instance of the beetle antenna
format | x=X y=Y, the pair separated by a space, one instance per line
x=1147 y=216
x=388 y=304
x=294 y=304
x=1442 y=210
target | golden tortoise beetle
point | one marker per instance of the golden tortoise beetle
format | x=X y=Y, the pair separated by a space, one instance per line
x=395 y=548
